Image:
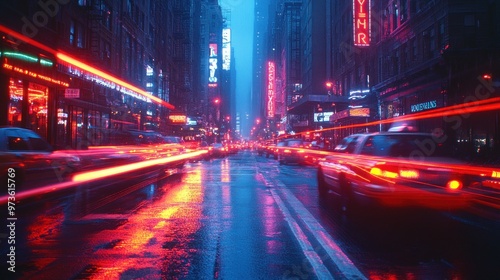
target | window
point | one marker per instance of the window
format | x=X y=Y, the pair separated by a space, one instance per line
x=404 y=11
x=38 y=144
x=17 y=143
x=347 y=145
x=106 y=12
x=395 y=16
x=71 y=32
x=76 y=34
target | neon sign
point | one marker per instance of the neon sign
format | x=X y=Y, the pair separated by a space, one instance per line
x=270 y=88
x=177 y=118
x=212 y=64
x=361 y=22
x=226 y=49
x=34 y=75
x=102 y=78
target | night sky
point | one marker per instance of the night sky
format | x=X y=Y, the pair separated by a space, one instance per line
x=242 y=17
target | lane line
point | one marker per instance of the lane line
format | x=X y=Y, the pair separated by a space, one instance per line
x=316 y=263
x=341 y=260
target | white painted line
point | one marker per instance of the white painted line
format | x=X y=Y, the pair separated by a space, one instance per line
x=345 y=265
x=316 y=263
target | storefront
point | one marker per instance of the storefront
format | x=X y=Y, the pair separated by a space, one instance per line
x=411 y=101
x=69 y=102
x=28 y=89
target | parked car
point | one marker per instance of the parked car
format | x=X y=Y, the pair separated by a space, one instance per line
x=32 y=159
x=393 y=169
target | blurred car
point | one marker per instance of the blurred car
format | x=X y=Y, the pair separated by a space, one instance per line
x=291 y=151
x=219 y=150
x=260 y=147
x=393 y=169
x=316 y=152
x=173 y=139
x=33 y=158
x=270 y=150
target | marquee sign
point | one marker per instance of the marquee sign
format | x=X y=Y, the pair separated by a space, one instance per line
x=178 y=119
x=361 y=22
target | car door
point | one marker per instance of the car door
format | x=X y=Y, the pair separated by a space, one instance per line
x=334 y=167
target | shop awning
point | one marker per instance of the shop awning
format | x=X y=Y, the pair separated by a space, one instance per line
x=303 y=104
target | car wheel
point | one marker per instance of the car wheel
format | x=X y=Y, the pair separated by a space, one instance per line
x=322 y=186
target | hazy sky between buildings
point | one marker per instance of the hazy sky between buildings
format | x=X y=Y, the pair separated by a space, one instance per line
x=242 y=17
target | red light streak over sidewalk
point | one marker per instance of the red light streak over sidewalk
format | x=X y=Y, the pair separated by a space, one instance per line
x=83 y=66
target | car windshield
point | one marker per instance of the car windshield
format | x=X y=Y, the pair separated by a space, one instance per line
x=295 y=143
x=406 y=146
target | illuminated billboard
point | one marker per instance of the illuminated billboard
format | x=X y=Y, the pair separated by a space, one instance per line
x=271 y=71
x=177 y=119
x=212 y=65
x=226 y=49
x=361 y=22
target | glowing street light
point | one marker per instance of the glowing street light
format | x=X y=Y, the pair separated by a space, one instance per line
x=329 y=86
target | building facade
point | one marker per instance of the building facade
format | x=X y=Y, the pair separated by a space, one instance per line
x=367 y=64
x=79 y=72
x=98 y=68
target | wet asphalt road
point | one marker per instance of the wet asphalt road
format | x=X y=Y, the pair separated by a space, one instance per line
x=240 y=217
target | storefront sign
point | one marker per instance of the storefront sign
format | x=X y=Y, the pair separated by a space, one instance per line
x=359 y=112
x=177 y=119
x=423 y=106
x=34 y=75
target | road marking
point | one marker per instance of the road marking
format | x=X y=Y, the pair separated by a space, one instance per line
x=319 y=268
x=345 y=265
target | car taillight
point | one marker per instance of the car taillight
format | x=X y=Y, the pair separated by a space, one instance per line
x=409 y=173
x=287 y=151
x=383 y=173
x=393 y=174
x=454 y=185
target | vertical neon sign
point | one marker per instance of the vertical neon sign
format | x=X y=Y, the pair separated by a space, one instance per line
x=226 y=49
x=270 y=89
x=361 y=22
x=212 y=65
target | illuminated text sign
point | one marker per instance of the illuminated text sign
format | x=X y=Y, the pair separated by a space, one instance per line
x=359 y=112
x=212 y=64
x=270 y=89
x=423 y=106
x=361 y=22
x=34 y=75
x=181 y=119
x=226 y=49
